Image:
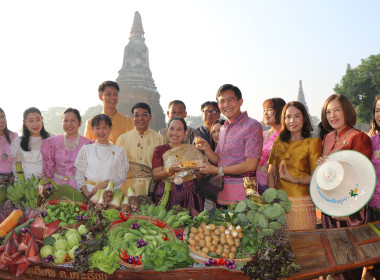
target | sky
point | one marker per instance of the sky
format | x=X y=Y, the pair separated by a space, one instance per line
x=56 y=53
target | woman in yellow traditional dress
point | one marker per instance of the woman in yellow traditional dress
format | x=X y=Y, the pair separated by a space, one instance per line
x=166 y=168
x=293 y=160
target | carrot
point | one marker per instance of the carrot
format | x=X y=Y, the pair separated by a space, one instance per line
x=10 y=222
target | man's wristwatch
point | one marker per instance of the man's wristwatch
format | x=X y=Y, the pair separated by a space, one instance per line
x=220 y=173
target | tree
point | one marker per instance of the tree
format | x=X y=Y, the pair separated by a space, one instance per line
x=361 y=85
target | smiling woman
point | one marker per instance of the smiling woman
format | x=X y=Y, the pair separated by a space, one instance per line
x=292 y=162
x=101 y=162
x=59 y=152
x=27 y=148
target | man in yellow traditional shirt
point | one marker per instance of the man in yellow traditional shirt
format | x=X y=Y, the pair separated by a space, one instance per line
x=109 y=95
x=139 y=144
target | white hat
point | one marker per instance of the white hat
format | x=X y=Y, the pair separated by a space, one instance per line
x=344 y=184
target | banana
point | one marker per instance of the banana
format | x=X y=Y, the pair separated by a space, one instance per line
x=27 y=194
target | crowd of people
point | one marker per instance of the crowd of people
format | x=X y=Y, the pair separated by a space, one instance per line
x=126 y=151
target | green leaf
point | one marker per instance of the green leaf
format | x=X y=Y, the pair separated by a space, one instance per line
x=48 y=240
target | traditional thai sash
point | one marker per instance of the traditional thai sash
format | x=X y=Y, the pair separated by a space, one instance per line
x=138 y=170
x=266 y=151
x=178 y=155
x=331 y=145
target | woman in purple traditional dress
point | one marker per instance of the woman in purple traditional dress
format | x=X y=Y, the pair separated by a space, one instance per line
x=165 y=165
x=59 y=152
x=375 y=139
x=272 y=109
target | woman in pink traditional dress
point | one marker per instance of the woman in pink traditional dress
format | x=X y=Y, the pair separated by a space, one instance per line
x=339 y=116
x=375 y=139
x=59 y=152
x=272 y=109
x=6 y=138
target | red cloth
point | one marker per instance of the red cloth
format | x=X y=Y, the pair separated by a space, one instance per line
x=157 y=160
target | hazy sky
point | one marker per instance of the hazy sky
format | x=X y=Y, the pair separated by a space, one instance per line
x=56 y=53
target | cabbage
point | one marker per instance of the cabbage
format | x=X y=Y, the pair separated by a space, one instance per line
x=57 y=236
x=60 y=256
x=70 y=232
x=46 y=251
x=60 y=245
x=73 y=240
x=82 y=229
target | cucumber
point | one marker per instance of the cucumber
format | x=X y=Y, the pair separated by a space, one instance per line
x=161 y=215
x=203 y=213
x=150 y=209
x=168 y=215
x=170 y=220
x=175 y=224
x=142 y=230
x=155 y=211
x=184 y=219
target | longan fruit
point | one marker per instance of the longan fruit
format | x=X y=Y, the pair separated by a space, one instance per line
x=201 y=235
x=231 y=256
x=205 y=250
x=194 y=230
x=192 y=242
x=212 y=249
x=202 y=243
x=197 y=238
x=207 y=232
x=208 y=244
x=240 y=235
x=214 y=242
x=191 y=235
x=233 y=249
x=230 y=242
x=212 y=227
x=222 y=228
x=217 y=232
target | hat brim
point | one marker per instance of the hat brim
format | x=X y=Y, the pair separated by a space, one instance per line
x=355 y=191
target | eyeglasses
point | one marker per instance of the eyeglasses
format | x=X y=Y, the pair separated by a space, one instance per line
x=208 y=112
x=143 y=115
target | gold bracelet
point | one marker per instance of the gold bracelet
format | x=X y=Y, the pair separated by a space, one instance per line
x=168 y=172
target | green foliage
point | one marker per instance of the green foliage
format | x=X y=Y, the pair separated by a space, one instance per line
x=241 y=206
x=282 y=219
x=105 y=260
x=361 y=85
x=272 y=212
x=267 y=232
x=275 y=225
x=279 y=207
x=262 y=208
x=282 y=195
x=269 y=195
x=286 y=205
x=261 y=220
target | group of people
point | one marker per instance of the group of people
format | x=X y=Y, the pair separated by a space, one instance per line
x=126 y=151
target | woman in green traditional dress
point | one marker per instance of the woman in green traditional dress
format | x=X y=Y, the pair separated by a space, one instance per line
x=166 y=168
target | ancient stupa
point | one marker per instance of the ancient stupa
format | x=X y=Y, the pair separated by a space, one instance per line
x=301 y=97
x=135 y=78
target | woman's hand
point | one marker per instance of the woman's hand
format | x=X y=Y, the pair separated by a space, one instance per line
x=173 y=169
x=372 y=132
x=284 y=173
x=202 y=144
x=321 y=160
x=99 y=185
x=209 y=169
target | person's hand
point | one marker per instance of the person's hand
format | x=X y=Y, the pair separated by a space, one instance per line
x=201 y=144
x=321 y=160
x=99 y=185
x=209 y=169
x=284 y=173
x=173 y=169
x=372 y=132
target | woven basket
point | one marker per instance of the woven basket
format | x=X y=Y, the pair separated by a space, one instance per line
x=43 y=207
x=138 y=217
x=201 y=257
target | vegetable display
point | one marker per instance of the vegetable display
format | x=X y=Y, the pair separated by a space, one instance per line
x=69 y=213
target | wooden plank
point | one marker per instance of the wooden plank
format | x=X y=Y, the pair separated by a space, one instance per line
x=363 y=233
x=357 y=248
x=342 y=248
x=327 y=248
x=309 y=251
x=371 y=250
x=41 y=272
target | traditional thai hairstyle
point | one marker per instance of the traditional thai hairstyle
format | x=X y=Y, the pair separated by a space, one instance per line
x=25 y=131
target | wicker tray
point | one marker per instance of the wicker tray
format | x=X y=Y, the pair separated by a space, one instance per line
x=145 y=218
x=43 y=207
x=201 y=258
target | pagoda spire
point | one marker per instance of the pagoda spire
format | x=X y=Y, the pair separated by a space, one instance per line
x=301 y=97
x=137 y=31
